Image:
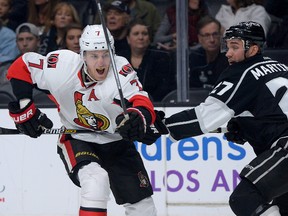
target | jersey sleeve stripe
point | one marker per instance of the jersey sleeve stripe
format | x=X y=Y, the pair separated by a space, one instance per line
x=19 y=70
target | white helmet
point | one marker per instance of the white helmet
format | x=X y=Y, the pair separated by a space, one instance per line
x=93 y=38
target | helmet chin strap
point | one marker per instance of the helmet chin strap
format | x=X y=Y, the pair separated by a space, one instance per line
x=85 y=70
x=245 y=48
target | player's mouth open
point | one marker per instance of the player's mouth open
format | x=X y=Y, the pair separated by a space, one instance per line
x=100 y=71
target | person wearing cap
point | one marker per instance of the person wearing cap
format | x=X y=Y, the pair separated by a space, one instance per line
x=118 y=17
x=146 y=11
x=27 y=38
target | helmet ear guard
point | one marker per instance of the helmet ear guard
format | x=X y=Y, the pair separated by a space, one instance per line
x=250 y=32
x=93 y=38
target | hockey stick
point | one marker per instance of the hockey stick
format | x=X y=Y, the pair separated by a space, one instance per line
x=219 y=130
x=113 y=62
x=10 y=131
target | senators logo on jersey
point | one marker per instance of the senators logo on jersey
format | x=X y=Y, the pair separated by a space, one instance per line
x=126 y=69
x=144 y=182
x=88 y=119
x=52 y=60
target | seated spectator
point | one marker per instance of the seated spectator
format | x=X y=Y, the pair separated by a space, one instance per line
x=5 y=6
x=278 y=33
x=8 y=50
x=145 y=11
x=165 y=36
x=117 y=19
x=87 y=10
x=153 y=66
x=27 y=38
x=71 y=38
x=63 y=14
x=13 y=13
x=17 y=13
x=243 y=10
x=40 y=13
x=206 y=62
x=8 y=47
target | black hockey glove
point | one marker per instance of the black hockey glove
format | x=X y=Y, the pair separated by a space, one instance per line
x=134 y=128
x=154 y=132
x=234 y=132
x=29 y=120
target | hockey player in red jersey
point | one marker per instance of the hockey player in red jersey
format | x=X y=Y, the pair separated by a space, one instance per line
x=84 y=88
x=252 y=92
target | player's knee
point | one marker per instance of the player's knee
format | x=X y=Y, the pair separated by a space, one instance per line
x=142 y=208
x=245 y=199
x=95 y=186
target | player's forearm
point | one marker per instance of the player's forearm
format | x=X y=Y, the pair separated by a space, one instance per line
x=183 y=125
x=21 y=89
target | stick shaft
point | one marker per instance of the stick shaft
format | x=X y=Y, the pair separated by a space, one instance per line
x=219 y=130
x=10 y=131
x=112 y=60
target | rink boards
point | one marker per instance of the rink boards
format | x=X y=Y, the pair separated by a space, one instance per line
x=191 y=177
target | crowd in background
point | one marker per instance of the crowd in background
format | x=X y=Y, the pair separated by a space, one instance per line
x=144 y=33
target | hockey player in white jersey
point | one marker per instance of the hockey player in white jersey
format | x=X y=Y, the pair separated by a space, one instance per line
x=253 y=93
x=84 y=88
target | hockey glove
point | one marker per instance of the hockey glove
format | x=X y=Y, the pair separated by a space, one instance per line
x=29 y=120
x=134 y=128
x=234 y=132
x=154 y=132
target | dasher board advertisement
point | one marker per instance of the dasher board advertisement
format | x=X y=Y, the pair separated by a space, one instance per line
x=191 y=177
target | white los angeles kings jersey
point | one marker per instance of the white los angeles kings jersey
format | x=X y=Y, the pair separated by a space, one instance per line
x=82 y=105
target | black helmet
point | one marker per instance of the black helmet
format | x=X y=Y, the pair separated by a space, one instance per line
x=250 y=32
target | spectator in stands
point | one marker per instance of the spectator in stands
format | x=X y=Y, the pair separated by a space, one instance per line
x=87 y=10
x=146 y=11
x=243 y=10
x=40 y=13
x=71 y=38
x=63 y=14
x=8 y=50
x=5 y=6
x=8 y=10
x=206 y=62
x=117 y=19
x=165 y=36
x=27 y=38
x=278 y=34
x=153 y=66
x=18 y=13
